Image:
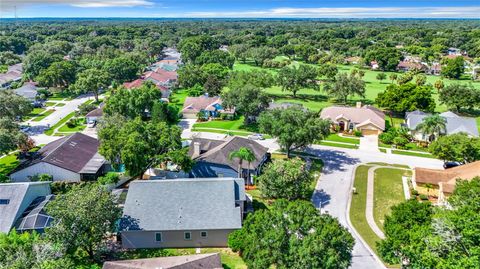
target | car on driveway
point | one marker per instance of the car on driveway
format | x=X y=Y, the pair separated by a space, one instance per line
x=91 y=124
x=256 y=137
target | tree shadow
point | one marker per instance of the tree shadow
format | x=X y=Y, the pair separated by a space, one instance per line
x=333 y=160
x=320 y=198
x=127 y=223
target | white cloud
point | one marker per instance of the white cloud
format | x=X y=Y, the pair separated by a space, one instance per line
x=76 y=3
x=347 y=12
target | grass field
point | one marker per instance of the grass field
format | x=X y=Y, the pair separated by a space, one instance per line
x=8 y=163
x=66 y=129
x=409 y=153
x=338 y=145
x=338 y=138
x=35 y=113
x=388 y=191
x=60 y=123
x=44 y=115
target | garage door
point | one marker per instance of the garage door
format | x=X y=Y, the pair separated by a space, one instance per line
x=369 y=132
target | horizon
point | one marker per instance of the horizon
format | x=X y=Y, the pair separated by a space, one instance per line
x=247 y=9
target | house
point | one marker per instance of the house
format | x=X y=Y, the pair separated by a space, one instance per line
x=138 y=83
x=352 y=60
x=374 y=65
x=207 y=106
x=161 y=77
x=406 y=66
x=28 y=91
x=444 y=181
x=367 y=119
x=182 y=213
x=13 y=74
x=17 y=204
x=198 y=261
x=70 y=158
x=212 y=158
x=95 y=115
x=435 y=69
x=454 y=124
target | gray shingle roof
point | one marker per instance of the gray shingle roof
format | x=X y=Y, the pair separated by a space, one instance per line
x=16 y=197
x=28 y=90
x=455 y=124
x=205 y=261
x=183 y=204
x=218 y=151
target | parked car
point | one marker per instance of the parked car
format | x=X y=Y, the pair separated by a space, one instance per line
x=91 y=124
x=256 y=137
x=447 y=165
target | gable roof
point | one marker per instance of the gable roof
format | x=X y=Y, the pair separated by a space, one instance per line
x=198 y=261
x=447 y=177
x=71 y=152
x=183 y=204
x=454 y=123
x=161 y=75
x=196 y=104
x=356 y=115
x=15 y=198
x=218 y=151
x=97 y=112
x=133 y=84
x=28 y=90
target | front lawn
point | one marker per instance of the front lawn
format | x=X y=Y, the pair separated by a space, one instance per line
x=78 y=128
x=60 y=123
x=35 y=112
x=342 y=139
x=338 y=145
x=225 y=132
x=8 y=163
x=410 y=153
x=221 y=124
x=44 y=115
x=388 y=191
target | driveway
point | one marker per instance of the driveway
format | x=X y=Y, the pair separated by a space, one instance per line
x=369 y=143
x=333 y=190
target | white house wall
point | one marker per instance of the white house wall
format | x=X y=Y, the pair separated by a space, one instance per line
x=58 y=173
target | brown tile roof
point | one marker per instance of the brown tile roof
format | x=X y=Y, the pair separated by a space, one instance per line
x=199 y=261
x=133 y=84
x=355 y=115
x=411 y=65
x=196 y=104
x=218 y=151
x=161 y=75
x=447 y=177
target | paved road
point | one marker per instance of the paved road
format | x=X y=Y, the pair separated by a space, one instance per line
x=334 y=188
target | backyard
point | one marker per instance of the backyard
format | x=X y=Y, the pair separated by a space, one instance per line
x=8 y=163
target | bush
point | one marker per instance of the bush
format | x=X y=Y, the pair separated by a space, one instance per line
x=62 y=187
x=109 y=178
x=4 y=178
x=387 y=137
x=414 y=192
x=400 y=142
x=423 y=197
x=358 y=133
x=72 y=123
x=196 y=90
x=85 y=108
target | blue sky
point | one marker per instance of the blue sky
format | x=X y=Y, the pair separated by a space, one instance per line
x=243 y=8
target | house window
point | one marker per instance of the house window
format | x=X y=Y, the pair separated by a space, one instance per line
x=351 y=126
x=158 y=237
x=203 y=234
x=4 y=201
x=187 y=235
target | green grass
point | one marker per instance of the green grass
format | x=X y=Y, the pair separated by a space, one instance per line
x=35 y=112
x=60 y=123
x=221 y=124
x=342 y=139
x=50 y=103
x=60 y=104
x=383 y=150
x=178 y=98
x=258 y=201
x=388 y=191
x=409 y=153
x=389 y=164
x=206 y=130
x=44 y=115
x=66 y=129
x=333 y=144
x=8 y=163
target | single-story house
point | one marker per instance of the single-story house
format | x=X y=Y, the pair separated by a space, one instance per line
x=197 y=261
x=138 y=83
x=28 y=91
x=411 y=65
x=162 y=77
x=367 y=119
x=13 y=74
x=444 y=181
x=374 y=65
x=435 y=69
x=21 y=206
x=209 y=106
x=182 y=213
x=454 y=124
x=70 y=158
x=212 y=158
x=95 y=115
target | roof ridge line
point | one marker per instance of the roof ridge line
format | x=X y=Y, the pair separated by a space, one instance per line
x=67 y=138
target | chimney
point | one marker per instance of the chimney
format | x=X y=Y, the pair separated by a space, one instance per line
x=359 y=104
x=196 y=149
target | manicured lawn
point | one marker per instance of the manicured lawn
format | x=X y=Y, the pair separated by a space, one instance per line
x=409 y=153
x=220 y=131
x=333 y=144
x=44 y=115
x=35 y=112
x=50 y=103
x=60 y=123
x=338 y=138
x=8 y=163
x=178 y=98
x=60 y=104
x=388 y=191
x=221 y=124
x=66 y=129
x=258 y=201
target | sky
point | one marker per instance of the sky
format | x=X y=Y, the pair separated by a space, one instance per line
x=242 y=8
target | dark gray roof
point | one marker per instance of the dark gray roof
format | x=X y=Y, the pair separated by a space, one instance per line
x=74 y=153
x=28 y=90
x=199 y=261
x=217 y=151
x=183 y=204
x=455 y=124
x=15 y=198
x=35 y=217
x=97 y=112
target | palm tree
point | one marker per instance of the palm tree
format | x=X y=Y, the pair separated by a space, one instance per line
x=243 y=154
x=432 y=126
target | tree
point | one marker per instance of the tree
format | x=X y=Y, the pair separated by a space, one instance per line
x=82 y=219
x=293 y=127
x=261 y=54
x=328 y=70
x=292 y=235
x=393 y=77
x=216 y=56
x=260 y=79
x=439 y=85
x=421 y=79
x=294 y=78
x=344 y=86
x=164 y=112
x=137 y=144
x=453 y=68
x=432 y=126
x=242 y=154
x=38 y=60
x=58 y=74
x=190 y=75
x=406 y=97
x=459 y=96
x=122 y=69
x=92 y=80
x=287 y=179
x=381 y=76
x=457 y=148
x=13 y=106
x=386 y=57
x=247 y=100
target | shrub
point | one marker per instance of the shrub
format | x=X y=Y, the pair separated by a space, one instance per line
x=423 y=197
x=387 y=137
x=358 y=133
x=85 y=108
x=41 y=177
x=400 y=142
x=414 y=192
x=196 y=90
x=109 y=178
x=4 y=178
x=72 y=123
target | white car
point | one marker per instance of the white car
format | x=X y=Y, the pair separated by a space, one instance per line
x=256 y=137
x=91 y=124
